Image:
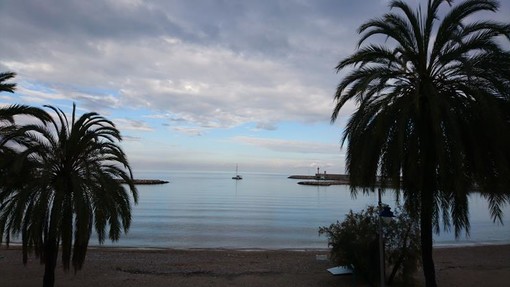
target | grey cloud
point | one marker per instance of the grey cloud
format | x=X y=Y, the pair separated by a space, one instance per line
x=208 y=63
x=101 y=103
x=177 y=120
x=290 y=146
x=133 y=125
x=266 y=126
x=189 y=131
x=95 y=18
x=131 y=138
x=263 y=26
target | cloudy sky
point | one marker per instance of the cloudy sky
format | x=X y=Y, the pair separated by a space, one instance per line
x=194 y=84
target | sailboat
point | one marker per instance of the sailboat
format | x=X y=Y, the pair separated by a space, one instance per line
x=237 y=177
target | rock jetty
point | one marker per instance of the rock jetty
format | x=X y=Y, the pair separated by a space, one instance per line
x=145 y=181
x=319 y=183
x=323 y=179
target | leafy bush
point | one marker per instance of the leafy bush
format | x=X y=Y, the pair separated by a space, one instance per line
x=355 y=242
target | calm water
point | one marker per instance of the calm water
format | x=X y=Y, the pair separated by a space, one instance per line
x=270 y=211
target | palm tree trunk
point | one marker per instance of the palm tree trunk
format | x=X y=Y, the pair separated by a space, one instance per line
x=51 y=254
x=427 y=185
x=426 y=244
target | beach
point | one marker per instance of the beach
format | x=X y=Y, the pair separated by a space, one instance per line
x=458 y=266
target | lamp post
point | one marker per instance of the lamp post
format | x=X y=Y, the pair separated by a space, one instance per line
x=385 y=214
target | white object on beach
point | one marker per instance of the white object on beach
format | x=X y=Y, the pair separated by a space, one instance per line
x=340 y=270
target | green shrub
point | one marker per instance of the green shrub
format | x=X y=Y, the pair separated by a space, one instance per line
x=355 y=242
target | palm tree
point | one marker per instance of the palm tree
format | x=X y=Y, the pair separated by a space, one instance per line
x=59 y=181
x=7 y=87
x=7 y=114
x=432 y=116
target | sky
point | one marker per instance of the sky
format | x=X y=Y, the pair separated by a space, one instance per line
x=199 y=85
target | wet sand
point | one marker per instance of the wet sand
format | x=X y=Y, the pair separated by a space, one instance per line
x=466 y=266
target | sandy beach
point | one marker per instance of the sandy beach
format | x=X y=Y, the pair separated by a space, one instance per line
x=465 y=266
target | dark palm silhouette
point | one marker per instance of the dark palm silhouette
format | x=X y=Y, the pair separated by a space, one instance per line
x=7 y=87
x=7 y=114
x=432 y=116
x=58 y=182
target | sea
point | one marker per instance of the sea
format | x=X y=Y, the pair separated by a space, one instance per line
x=262 y=211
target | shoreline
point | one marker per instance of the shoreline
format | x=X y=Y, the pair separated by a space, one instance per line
x=261 y=249
x=484 y=265
x=214 y=249
x=14 y=245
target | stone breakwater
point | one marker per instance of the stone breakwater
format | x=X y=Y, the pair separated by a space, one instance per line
x=145 y=181
x=322 y=179
x=327 y=176
x=332 y=179
x=321 y=182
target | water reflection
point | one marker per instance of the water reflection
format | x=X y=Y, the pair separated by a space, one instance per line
x=210 y=210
